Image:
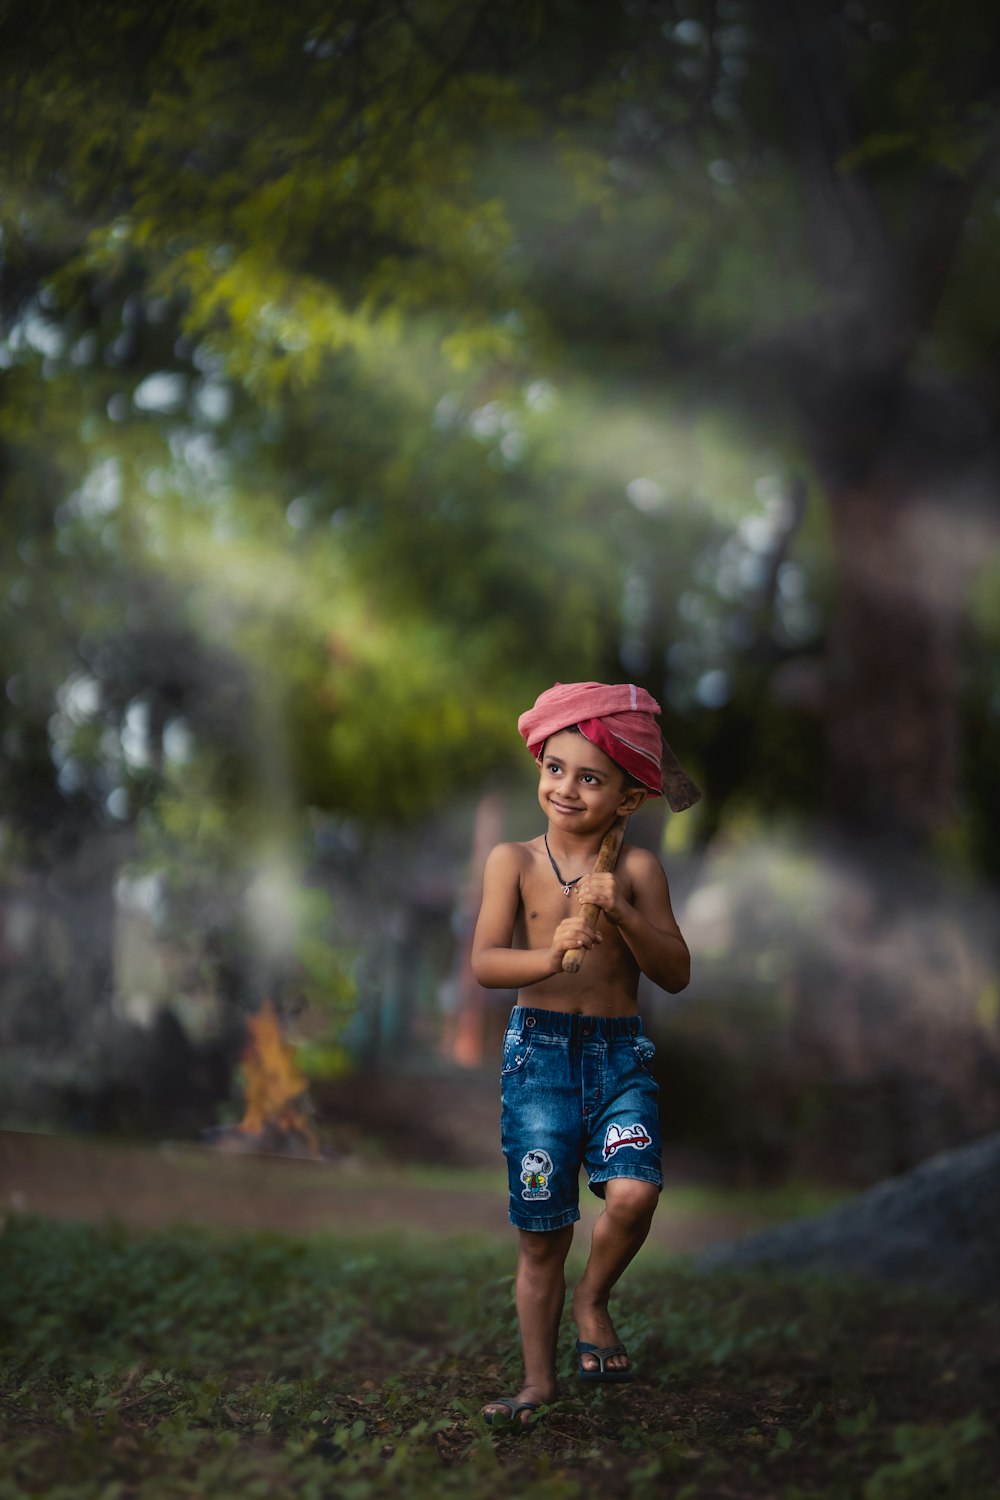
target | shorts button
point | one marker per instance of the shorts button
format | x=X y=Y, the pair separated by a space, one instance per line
x=530 y=1021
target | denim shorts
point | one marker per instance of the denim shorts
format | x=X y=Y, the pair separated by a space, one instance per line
x=576 y=1091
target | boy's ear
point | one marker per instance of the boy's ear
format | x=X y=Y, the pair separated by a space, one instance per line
x=632 y=798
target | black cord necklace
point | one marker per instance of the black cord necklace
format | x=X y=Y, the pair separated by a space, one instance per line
x=567 y=885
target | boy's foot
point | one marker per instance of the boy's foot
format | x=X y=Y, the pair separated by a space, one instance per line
x=603 y=1356
x=519 y=1408
x=594 y=1326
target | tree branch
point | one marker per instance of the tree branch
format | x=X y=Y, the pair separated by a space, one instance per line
x=849 y=237
x=937 y=236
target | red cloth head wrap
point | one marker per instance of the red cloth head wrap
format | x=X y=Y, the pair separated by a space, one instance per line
x=620 y=719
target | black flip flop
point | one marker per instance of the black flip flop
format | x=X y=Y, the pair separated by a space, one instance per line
x=601 y=1354
x=515 y=1407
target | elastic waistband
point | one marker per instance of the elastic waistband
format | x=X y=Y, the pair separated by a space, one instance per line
x=530 y=1021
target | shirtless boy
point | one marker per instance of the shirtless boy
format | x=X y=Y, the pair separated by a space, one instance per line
x=577 y=1089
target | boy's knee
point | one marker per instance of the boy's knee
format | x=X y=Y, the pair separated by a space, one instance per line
x=630 y=1200
x=540 y=1247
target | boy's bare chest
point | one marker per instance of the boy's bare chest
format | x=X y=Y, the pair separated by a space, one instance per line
x=543 y=907
x=606 y=985
x=544 y=904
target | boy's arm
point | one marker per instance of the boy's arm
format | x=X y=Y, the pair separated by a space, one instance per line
x=646 y=922
x=498 y=966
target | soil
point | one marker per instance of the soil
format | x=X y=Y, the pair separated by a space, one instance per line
x=781 y=1417
x=148 y=1186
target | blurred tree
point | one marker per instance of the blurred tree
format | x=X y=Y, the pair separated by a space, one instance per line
x=775 y=207
x=175 y=344
x=366 y=364
x=781 y=209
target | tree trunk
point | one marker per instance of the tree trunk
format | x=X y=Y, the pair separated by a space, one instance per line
x=464 y=1042
x=893 y=664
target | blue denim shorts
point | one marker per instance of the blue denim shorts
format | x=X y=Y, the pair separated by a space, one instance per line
x=576 y=1091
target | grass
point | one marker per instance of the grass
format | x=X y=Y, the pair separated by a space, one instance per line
x=192 y=1363
x=789 y=1200
x=769 y=1204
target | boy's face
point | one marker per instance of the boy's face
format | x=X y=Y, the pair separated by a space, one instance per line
x=580 y=789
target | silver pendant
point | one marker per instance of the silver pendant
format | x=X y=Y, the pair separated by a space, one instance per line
x=566 y=890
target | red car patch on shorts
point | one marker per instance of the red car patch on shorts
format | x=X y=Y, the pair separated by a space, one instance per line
x=629 y=1135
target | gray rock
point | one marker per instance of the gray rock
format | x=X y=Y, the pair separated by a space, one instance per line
x=937 y=1226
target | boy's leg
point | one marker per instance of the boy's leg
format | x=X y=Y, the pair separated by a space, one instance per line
x=623 y=1164
x=540 y=1137
x=539 y=1292
x=618 y=1233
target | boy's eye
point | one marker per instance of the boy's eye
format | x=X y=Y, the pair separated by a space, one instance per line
x=587 y=777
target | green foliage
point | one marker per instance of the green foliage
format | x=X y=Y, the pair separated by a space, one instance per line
x=930 y=1460
x=365 y=370
x=343 y=270
x=346 y=217
x=187 y=1362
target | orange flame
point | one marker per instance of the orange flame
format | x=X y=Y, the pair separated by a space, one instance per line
x=273 y=1084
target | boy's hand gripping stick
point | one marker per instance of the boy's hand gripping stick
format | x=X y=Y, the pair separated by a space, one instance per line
x=607 y=858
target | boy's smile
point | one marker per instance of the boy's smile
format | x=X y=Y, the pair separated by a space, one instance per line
x=580 y=789
x=578 y=888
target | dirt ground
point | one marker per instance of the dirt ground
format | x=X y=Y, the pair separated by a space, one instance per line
x=778 y=1388
x=146 y=1186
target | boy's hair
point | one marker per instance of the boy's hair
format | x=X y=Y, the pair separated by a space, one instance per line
x=630 y=781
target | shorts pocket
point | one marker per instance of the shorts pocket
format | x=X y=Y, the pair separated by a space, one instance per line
x=515 y=1056
x=645 y=1051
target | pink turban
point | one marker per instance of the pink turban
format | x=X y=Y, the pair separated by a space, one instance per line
x=620 y=719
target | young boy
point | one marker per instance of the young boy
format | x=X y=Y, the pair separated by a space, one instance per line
x=576 y=1082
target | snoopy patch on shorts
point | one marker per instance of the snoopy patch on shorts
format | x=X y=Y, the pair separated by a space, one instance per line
x=536 y=1169
x=631 y=1135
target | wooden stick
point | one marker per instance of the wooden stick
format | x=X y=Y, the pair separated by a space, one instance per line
x=607 y=858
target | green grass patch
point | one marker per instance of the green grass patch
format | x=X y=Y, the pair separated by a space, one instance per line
x=792 y=1200
x=196 y=1363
